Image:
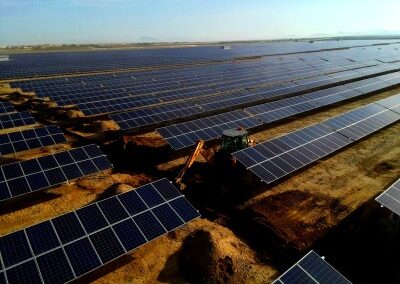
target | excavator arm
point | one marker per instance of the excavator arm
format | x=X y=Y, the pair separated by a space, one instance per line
x=199 y=150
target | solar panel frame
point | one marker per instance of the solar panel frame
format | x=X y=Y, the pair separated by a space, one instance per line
x=86 y=252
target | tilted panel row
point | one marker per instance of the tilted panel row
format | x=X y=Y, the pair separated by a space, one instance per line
x=62 y=249
x=19 y=141
x=276 y=158
x=147 y=117
x=16 y=119
x=28 y=176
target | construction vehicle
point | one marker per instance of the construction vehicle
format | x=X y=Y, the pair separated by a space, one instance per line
x=232 y=140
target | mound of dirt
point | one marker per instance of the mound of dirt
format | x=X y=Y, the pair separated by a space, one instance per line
x=107 y=125
x=384 y=167
x=72 y=113
x=151 y=140
x=214 y=256
x=202 y=261
x=118 y=182
x=296 y=217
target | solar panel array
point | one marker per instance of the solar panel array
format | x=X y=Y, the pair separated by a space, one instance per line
x=107 y=93
x=6 y=107
x=56 y=63
x=30 y=139
x=71 y=245
x=16 y=119
x=312 y=269
x=161 y=114
x=187 y=134
x=390 y=198
x=214 y=90
x=20 y=178
x=278 y=157
x=123 y=91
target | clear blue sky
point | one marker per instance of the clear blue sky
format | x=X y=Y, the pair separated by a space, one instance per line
x=89 y=21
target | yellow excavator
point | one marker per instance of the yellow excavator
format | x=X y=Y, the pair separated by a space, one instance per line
x=232 y=140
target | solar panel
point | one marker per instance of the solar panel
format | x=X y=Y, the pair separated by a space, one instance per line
x=6 y=107
x=390 y=198
x=311 y=269
x=28 y=176
x=62 y=249
x=278 y=157
x=16 y=120
x=392 y=103
x=187 y=134
x=30 y=139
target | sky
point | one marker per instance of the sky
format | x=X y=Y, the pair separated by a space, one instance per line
x=116 y=21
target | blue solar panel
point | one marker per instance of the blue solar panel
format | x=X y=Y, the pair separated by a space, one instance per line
x=82 y=256
x=17 y=119
x=66 y=247
x=107 y=245
x=42 y=237
x=54 y=267
x=312 y=269
x=6 y=107
x=29 y=176
x=390 y=198
x=276 y=158
x=30 y=139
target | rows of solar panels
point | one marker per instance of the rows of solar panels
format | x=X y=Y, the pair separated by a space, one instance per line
x=162 y=114
x=20 y=133
x=200 y=80
x=184 y=73
x=187 y=134
x=71 y=245
x=276 y=158
x=46 y=64
x=68 y=246
x=167 y=106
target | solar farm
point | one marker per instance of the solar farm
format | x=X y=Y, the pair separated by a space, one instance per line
x=273 y=162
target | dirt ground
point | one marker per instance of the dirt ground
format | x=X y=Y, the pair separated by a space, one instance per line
x=298 y=211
